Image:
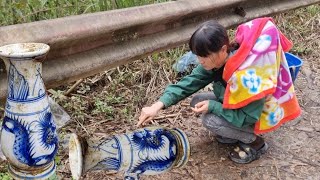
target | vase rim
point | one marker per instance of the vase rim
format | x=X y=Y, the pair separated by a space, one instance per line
x=24 y=50
x=75 y=156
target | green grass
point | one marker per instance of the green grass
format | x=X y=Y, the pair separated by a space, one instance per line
x=301 y=28
x=22 y=11
x=4 y=175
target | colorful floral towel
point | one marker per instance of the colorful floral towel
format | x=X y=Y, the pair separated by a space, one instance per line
x=258 y=70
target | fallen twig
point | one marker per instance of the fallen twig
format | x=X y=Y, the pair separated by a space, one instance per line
x=185 y=104
x=73 y=87
x=166 y=116
x=82 y=126
x=277 y=169
x=167 y=76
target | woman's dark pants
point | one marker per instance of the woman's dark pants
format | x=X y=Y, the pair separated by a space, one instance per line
x=220 y=126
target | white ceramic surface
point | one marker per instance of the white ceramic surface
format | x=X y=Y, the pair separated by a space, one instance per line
x=147 y=151
x=28 y=136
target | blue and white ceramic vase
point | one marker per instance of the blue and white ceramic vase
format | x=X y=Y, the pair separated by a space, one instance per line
x=146 y=151
x=28 y=137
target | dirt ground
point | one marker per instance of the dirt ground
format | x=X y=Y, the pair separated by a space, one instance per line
x=293 y=153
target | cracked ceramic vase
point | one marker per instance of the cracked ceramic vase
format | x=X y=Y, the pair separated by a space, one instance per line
x=28 y=137
x=147 y=151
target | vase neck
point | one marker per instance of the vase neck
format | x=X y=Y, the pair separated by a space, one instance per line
x=24 y=79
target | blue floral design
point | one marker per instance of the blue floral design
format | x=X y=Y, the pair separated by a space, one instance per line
x=275 y=117
x=251 y=81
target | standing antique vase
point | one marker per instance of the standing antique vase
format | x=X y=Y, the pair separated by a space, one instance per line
x=147 y=151
x=28 y=137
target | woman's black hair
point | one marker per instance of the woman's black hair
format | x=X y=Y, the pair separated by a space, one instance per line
x=208 y=38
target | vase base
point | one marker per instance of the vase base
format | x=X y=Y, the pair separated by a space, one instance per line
x=36 y=175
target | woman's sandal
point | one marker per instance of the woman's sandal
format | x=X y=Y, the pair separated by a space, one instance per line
x=244 y=153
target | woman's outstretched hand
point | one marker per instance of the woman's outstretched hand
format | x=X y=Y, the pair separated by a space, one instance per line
x=148 y=113
x=201 y=107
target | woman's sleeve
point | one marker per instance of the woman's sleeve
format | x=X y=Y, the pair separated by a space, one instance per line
x=188 y=85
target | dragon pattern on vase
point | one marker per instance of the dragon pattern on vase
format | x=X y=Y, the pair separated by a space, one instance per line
x=31 y=130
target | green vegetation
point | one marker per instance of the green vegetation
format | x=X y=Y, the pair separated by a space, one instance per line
x=301 y=27
x=22 y=11
x=5 y=176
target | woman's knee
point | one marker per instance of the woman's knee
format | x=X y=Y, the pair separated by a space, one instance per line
x=201 y=97
x=195 y=100
x=216 y=125
x=212 y=121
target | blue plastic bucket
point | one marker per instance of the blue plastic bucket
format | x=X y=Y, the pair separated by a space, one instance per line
x=294 y=64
